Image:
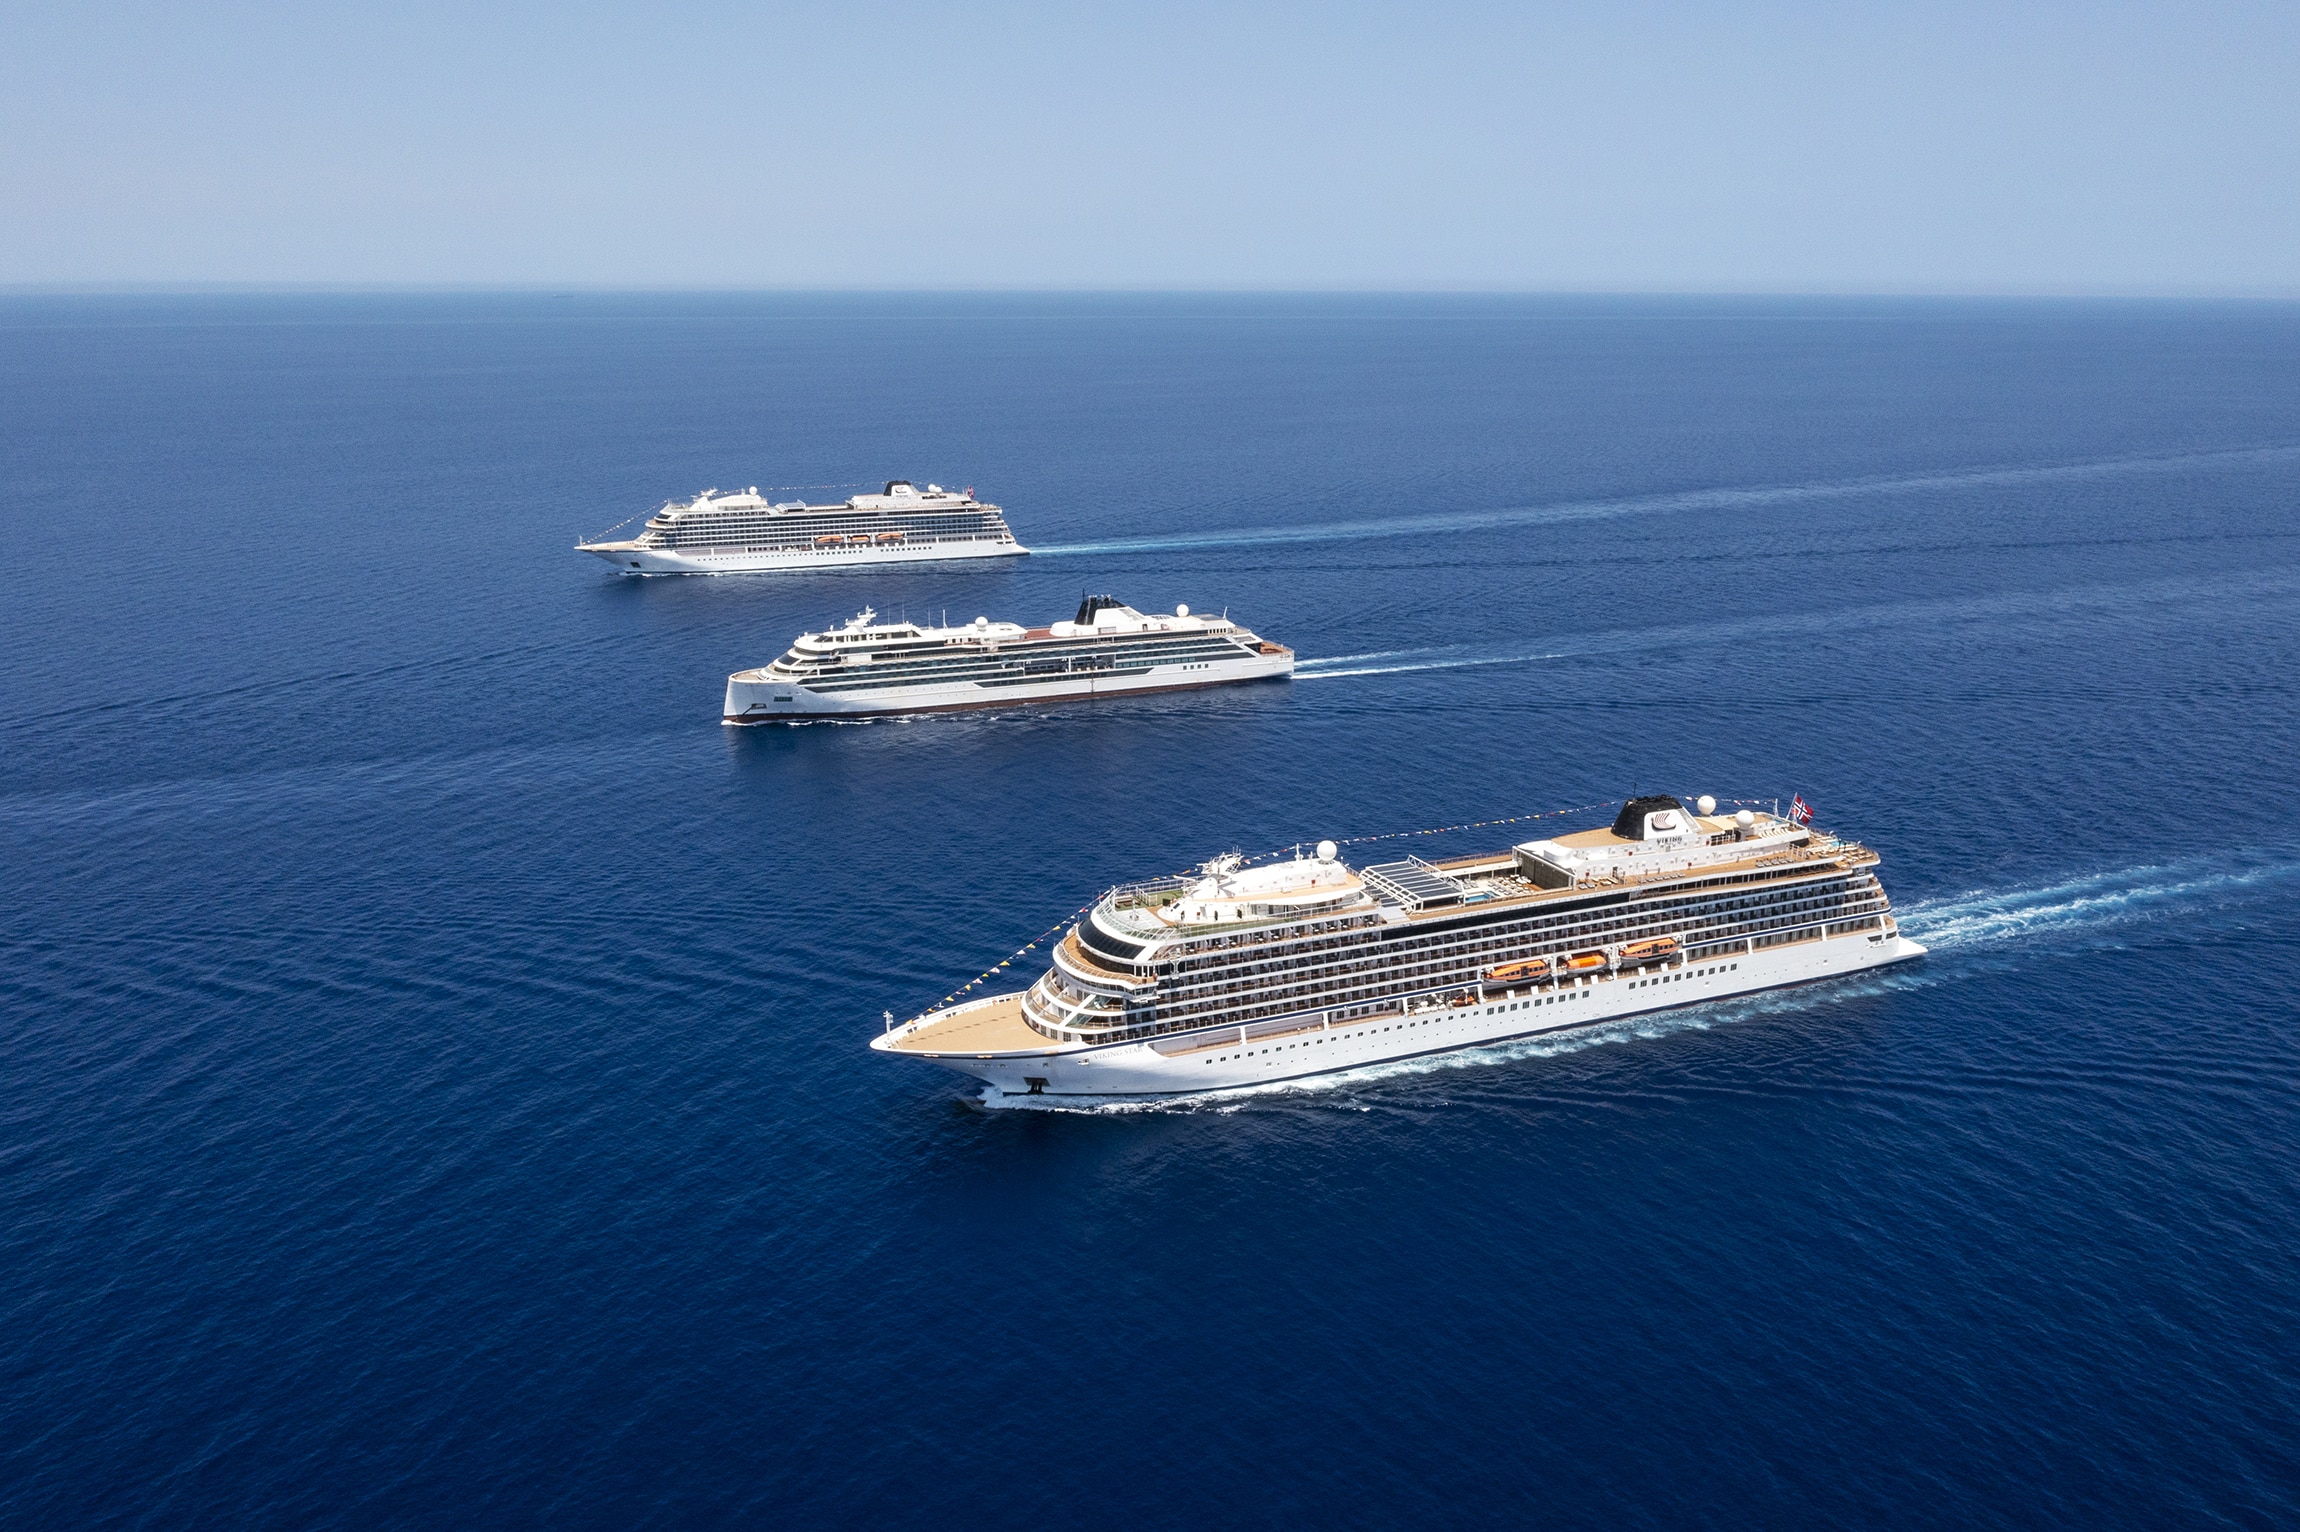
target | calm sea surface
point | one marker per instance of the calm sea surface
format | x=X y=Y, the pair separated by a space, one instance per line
x=435 y=1090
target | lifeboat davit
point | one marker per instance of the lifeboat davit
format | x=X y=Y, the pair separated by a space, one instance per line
x=1583 y=962
x=1518 y=973
x=1646 y=952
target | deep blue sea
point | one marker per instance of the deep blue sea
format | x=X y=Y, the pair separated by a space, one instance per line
x=433 y=1047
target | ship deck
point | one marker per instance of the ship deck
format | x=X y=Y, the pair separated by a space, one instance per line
x=1092 y=966
x=1779 y=862
x=994 y=1026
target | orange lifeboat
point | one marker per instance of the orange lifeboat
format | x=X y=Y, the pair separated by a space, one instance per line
x=889 y=537
x=1583 y=962
x=1646 y=952
x=1518 y=973
x=830 y=540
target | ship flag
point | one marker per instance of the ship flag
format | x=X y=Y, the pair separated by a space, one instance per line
x=1800 y=810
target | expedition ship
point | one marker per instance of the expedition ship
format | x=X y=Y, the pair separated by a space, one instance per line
x=740 y=533
x=1109 y=649
x=1243 y=975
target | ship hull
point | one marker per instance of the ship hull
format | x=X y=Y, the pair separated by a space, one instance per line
x=631 y=559
x=771 y=700
x=1300 y=1048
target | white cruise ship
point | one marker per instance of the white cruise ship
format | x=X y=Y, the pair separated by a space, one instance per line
x=741 y=533
x=1108 y=650
x=1245 y=975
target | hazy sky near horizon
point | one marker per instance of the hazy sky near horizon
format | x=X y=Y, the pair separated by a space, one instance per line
x=1954 y=147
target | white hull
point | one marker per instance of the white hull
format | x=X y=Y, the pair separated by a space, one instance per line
x=1290 y=1048
x=774 y=700
x=634 y=560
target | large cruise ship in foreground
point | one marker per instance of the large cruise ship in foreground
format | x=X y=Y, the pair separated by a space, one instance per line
x=740 y=533
x=870 y=667
x=1245 y=975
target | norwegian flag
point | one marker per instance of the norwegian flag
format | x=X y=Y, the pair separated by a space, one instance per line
x=1800 y=810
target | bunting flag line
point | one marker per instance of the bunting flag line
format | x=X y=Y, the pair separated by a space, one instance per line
x=1019 y=952
x=1482 y=824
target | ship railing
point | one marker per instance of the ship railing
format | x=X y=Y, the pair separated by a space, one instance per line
x=1068 y=1022
x=1080 y=968
x=1147 y=894
x=1187 y=1038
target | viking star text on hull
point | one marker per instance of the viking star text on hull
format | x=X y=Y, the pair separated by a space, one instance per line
x=1108 y=650
x=741 y=533
x=1247 y=975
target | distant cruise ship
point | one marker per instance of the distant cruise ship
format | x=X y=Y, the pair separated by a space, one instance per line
x=1108 y=650
x=1247 y=975
x=740 y=533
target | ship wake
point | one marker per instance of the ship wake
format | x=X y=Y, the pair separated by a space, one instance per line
x=2179 y=596
x=2100 y=907
x=1681 y=502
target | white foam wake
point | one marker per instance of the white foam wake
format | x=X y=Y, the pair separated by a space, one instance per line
x=1307 y=671
x=1644 y=505
x=2092 y=903
x=2179 y=598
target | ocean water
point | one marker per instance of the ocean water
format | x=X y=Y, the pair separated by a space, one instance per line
x=433 y=1047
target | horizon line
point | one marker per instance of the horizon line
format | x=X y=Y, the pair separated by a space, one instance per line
x=2070 y=293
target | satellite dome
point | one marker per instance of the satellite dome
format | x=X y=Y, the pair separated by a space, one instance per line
x=1182 y=610
x=1705 y=804
x=1744 y=819
x=1327 y=851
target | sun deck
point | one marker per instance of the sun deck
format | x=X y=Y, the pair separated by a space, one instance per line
x=1499 y=874
x=1601 y=836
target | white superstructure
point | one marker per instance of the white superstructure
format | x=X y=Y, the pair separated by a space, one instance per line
x=718 y=533
x=871 y=667
x=1244 y=975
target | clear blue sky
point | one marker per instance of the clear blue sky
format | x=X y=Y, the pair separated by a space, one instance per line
x=1953 y=147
